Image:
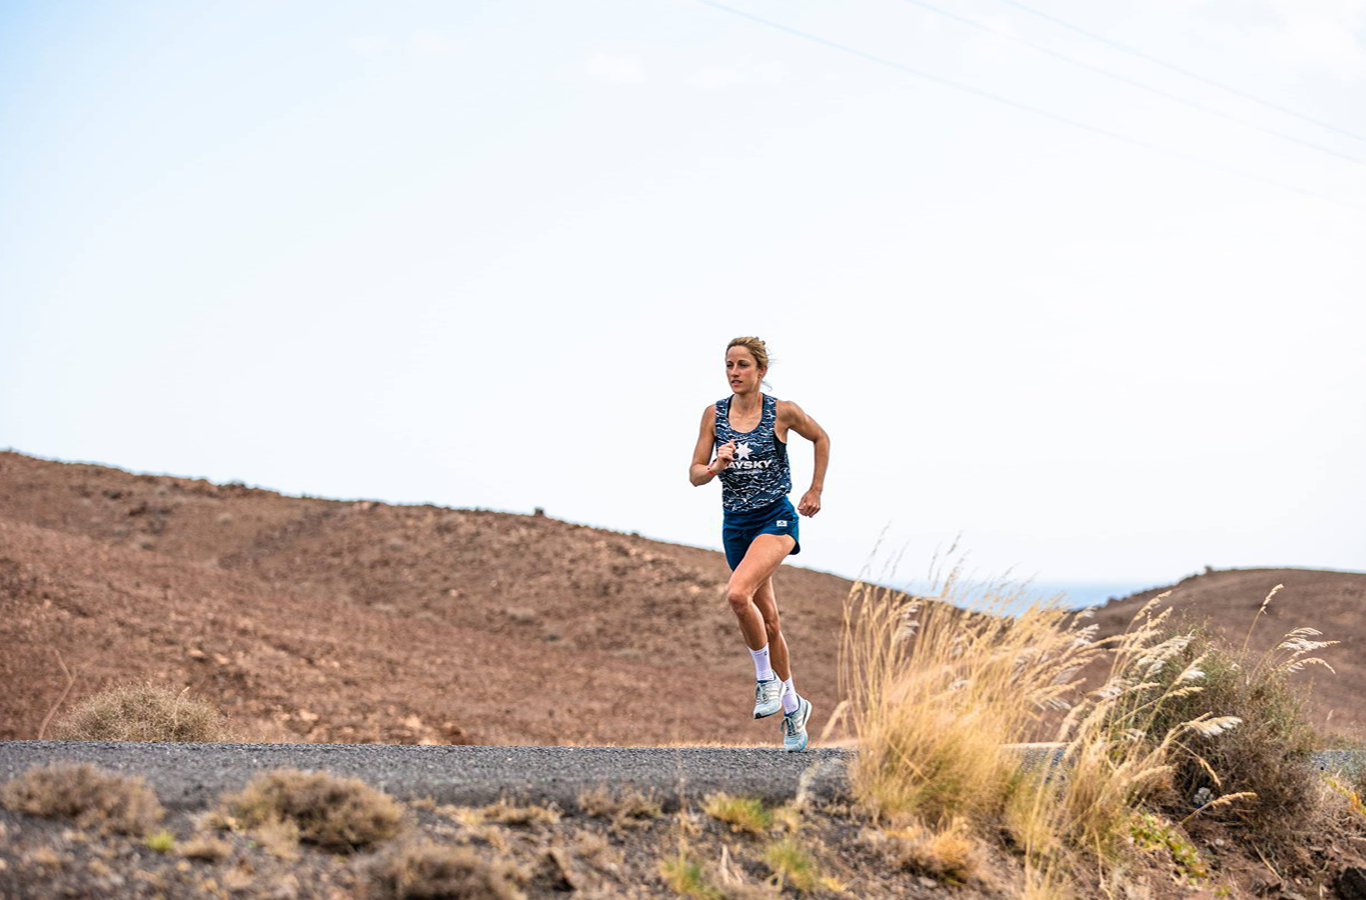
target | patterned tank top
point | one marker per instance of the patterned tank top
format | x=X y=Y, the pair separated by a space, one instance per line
x=759 y=475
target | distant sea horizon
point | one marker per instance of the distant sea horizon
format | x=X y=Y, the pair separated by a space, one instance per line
x=1093 y=593
x=1078 y=594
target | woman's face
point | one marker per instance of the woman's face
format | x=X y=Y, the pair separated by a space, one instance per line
x=742 y=371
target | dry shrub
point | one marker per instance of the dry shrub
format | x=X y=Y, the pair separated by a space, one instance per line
x=336 y=814
x=95 y=798
x=625 y=808
x=428 y=869
x=142 y=712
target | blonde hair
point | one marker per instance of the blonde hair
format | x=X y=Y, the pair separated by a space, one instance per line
x=754 y=346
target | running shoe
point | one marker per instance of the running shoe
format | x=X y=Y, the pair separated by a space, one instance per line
x=794 y=725
x=767 y=697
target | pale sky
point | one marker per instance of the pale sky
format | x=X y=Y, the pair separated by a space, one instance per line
x=490 y=254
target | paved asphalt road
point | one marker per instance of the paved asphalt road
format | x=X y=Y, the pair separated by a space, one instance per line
x=191 y=776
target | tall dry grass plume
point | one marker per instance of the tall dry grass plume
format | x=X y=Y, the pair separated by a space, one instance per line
x=938 y=689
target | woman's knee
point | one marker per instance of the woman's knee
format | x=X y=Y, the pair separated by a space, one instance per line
x=739 y=596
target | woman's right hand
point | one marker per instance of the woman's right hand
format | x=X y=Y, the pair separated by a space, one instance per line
x=724 y=456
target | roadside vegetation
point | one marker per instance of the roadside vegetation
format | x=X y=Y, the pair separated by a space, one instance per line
x=1164 y=743
x=1174 y=730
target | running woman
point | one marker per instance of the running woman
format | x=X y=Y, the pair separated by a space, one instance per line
x=748 y=433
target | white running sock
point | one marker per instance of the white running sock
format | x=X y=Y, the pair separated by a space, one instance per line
x=762 y=670
x=789 y=697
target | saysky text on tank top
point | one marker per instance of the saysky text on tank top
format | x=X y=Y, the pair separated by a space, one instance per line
x=759 y=475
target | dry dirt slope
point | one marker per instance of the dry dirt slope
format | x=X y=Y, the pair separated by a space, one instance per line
x=323 y=620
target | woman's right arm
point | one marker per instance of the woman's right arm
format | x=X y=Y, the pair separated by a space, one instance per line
x=698 y=472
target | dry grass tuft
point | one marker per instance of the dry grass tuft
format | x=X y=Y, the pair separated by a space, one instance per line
x=746 y=814
x=160 y=841
x=596 y=850
x=788 y=817
x=936 y=691
x=428 y=869
x=683 y=873
x=142 y=712
x=951 y=854
x=206 y=848
x=279 y=838
x=92 y=796
x=504 y=813
x=336 y=814
x=625 y=808
x=793 y=865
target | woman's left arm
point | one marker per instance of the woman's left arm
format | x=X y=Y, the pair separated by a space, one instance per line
x=797 y=420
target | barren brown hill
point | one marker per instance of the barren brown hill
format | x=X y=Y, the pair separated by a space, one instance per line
x=321 y=620
x=1228 y=599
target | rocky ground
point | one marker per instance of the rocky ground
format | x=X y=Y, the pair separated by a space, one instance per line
x=545 y=854
x=620 y=845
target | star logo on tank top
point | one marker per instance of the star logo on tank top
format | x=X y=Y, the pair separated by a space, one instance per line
x=742 y=451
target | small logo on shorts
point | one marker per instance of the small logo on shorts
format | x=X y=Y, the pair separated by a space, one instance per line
x=782 y=523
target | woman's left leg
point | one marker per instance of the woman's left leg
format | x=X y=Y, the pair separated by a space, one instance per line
x=777 y=644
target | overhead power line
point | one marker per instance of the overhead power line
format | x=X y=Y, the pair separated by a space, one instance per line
x=1175 y=68
x=1134 y=83
x=997 y=98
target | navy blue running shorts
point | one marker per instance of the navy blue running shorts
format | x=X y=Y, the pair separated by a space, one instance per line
x=741 y=528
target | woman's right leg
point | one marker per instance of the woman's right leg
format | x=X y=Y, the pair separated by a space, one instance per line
x=766 y=552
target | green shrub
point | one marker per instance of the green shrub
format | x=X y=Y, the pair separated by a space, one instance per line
x=1267 y=753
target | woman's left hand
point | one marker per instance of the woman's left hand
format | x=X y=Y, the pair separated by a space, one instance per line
x=811 y=503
